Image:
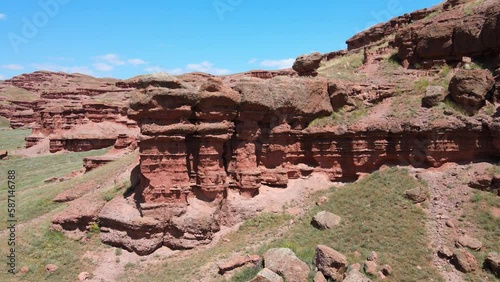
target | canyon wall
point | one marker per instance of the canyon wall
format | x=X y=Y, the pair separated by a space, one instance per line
x=200 y=139
x=75 y=111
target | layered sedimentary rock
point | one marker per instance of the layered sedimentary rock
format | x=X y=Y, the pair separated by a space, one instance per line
x=470 y=29
x=383 y=30
x=69 y=109
x=200 y=139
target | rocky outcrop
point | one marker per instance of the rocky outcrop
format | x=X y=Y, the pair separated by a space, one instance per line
x=306 y=65
x=283 y=261
x=470 y=29
x=52 y=104
x=464 y=261
x=470 y=88
x=433 y=96
x=383 y=30
x=330 y=262
x=492 y=262
x=201 y=137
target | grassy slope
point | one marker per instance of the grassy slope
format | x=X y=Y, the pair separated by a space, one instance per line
x=37 y=245
x=12 y=139
x=375 y=217
x=479 y=214
x=34 y=197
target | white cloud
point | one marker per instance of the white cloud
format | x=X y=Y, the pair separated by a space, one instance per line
x=252 y=61
x=136 y=62
x=70 y=69
x=3 y=16
x=112 y=59
x=103 y=67
x=280 y=64
x=12 y=67
x=205 y=66
x=154 y=69
x=2 y=77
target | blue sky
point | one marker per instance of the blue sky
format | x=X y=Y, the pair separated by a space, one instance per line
x=125 y=38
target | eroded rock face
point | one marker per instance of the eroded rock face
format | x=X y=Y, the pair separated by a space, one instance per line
x=55 y=104
x=201 y=137
x=467 y=29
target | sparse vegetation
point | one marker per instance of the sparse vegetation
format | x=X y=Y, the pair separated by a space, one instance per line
x=342 y=117
x=375 y=216
x=480 y=214
x=421 y=84
x=450 y=105
x=344 y=67
x=471 y=6
x=39 y=246
x=35 y=197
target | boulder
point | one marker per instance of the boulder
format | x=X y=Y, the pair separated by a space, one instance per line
x=319 y=277
x=373 y=256
x=386 y=269
x=24 y=269
x=417 y=195
x=325 y=220
x=3 y=154
x=266 y=275
x=307 y=64
x=330 y=262
x=464 y=261
x=445 y=252
x=283 y=261
x=469 y=88
x=492 y=262
x=495 y=184
x=236 y=262
x=468 y=242
x=481 y=181
x=83 y=276
x=51 y=268
x=355 y=276
x=433 y=96
x=370 y=267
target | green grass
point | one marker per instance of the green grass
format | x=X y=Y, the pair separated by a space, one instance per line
x=404 y=107
x=344 y=68
x=38 y=246
x=451 y=105
x=375 y=217
x=4 y=122
x=34 y=198
x=11 y=140
x=470 y=7
x=13 y=93
x=420 y=85
x=342 y=117
x=246 y=274
x=479 y=213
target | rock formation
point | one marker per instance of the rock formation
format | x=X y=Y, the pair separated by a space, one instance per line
x=60 y=106
x=203 y=137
